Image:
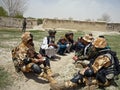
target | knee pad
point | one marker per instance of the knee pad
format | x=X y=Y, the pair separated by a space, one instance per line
x=89 y=73
x=101 y=78
x=26 y=61
x=76 y=78
x=36 y=69
x=24 y=69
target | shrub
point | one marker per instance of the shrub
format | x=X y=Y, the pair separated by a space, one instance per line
x=39 y=21
x=3 y=12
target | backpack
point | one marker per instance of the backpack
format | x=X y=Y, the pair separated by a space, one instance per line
x=116 y=62
x=115 y=58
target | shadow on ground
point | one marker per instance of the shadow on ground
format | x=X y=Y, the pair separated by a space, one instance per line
x=31 y=75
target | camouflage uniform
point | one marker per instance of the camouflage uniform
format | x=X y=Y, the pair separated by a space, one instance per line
x=100 y=71
x=26 y=59
x=82 y=55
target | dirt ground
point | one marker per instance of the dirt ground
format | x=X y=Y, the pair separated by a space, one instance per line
x=29 y=81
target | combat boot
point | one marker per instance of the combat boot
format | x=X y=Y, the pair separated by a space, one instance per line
x=70 y=84
x=63 y=85
x=49 y=72
x=49 y=78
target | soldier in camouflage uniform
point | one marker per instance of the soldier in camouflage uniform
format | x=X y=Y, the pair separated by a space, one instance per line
x=26 y=59
x=82 y=55
x=100 y=71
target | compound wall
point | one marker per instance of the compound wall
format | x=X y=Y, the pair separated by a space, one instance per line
x=113 y=27
x=16 y=22
x=71 y=24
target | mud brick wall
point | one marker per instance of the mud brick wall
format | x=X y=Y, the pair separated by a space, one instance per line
x=16 y=22
x=113 y=27
x=77 y=25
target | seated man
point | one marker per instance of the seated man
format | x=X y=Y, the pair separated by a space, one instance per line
x=48 y=47
x=79 y=45
x=26 y=59
x=101 y=70
x=62 y=45
x=82 y=54
x=69 y=38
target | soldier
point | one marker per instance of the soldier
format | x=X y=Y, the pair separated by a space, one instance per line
x=84 y=46
x=101 y=70
x=26 y=59
x=24 y=25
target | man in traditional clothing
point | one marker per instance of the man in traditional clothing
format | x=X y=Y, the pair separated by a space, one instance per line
x=48 y=47
x=83 y=46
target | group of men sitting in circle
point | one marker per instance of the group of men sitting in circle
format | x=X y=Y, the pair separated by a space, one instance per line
x=64 y=45
x=100 y=63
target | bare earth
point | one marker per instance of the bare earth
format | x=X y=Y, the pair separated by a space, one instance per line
x=29 y=81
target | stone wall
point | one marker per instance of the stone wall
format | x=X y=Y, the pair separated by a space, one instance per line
x=77 y=25
x=16 y=22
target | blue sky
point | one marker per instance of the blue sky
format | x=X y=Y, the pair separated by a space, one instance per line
x=77 y=9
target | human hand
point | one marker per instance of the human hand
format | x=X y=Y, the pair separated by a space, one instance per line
x=75 y=58
x=39 y=56
x=83 y=71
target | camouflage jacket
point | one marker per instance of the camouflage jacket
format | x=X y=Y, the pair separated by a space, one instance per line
x=22 y=51
x=85 y=53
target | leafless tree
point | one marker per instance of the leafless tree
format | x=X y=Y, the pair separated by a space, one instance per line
x=88 y=20
x=105 y=17
x=14 y=7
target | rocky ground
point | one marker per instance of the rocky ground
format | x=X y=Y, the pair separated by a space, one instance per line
x=64 y=66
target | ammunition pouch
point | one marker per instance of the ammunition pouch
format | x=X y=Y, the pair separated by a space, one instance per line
x=76 y=78
x=100 y=76
x=36 y=69
x=89 y=73
x=27 y=61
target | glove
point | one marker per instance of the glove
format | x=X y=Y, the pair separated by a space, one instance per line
x=75 y=58
x=27 y=61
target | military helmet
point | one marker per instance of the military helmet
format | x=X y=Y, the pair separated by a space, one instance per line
x=88 y=38
x=26 y=37
x=100 y=43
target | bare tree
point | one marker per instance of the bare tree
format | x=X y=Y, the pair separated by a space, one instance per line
x=88 y=20
x=105 y=17
x=14 y=7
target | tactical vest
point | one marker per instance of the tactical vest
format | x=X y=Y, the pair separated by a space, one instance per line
x=115 y=66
